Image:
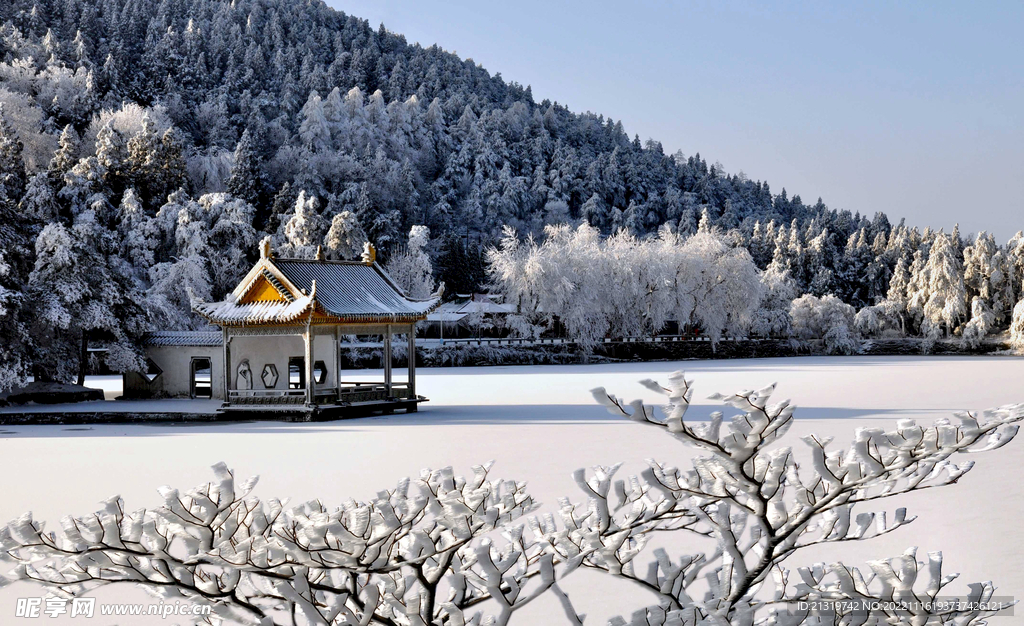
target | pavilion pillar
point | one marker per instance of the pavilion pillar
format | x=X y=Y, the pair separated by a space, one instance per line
x=387 y=359
x=337 y=359
x=227 y=366
x=307 y=338
x=412 y=360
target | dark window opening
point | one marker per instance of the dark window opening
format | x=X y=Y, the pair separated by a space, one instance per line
x=269 y=376
x=202 y=378
x=320 y=372
x=296 y=373
x=152 y=372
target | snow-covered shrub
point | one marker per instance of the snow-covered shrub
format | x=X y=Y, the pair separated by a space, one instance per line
x=427 y=552
x=881 y=320
x=981 y=322
x=827 y=318
x=1017 y=326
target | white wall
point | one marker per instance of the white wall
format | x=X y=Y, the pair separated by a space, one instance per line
x=175 y=380
x=261 y=350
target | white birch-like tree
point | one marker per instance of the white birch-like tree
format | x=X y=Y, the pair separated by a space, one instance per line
x=411 y=268
x=628 y=287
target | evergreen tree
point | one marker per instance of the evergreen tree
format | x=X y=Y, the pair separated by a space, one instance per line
x=14 y=260
x=305 y=229
x=345 y=239
x=947 y=299
x=247 y=181
x=12 y=167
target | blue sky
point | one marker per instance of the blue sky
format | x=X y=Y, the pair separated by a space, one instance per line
x=912 y=108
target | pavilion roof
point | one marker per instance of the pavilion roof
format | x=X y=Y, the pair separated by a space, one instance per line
x=325 y=291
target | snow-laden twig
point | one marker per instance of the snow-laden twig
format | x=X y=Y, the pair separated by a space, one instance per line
x=418 y=554
x=761 y=507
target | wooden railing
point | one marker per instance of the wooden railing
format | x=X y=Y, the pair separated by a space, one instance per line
x=347 y=393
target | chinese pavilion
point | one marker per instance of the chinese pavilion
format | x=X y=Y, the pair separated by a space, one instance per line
x=280 y=338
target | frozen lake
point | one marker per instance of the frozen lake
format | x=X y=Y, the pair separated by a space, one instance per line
x=540 y=423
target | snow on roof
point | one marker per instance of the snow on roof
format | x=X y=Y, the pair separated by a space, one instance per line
x=188 y=338
x=353 y=289
x=485 y=306
x=350 y=291
x=228 y=312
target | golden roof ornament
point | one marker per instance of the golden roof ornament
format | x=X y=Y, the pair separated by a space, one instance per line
x=320 y=253
x=265 y=251
x=369 y=253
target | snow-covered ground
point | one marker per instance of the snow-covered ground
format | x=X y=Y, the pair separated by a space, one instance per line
x=540 y=423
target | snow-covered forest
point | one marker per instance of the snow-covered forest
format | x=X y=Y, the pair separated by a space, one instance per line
x=775 y=281
x=145 y=147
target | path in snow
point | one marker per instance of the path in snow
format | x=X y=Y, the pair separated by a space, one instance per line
x=540 y=423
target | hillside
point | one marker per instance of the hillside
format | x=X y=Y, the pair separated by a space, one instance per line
x=146 y=147
x=352 y=115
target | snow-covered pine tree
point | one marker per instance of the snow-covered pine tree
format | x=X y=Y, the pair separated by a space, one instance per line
x=772 y=318
x=247 y=180
x=304 y=231
x=14 y=260
x=345 y=238
x=981 y=322
x=946 y=306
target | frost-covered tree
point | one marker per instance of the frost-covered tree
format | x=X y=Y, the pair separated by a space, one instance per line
x=979 y=325
x=411 y=269
x=627 y=286
x=947 y=299
x=1017 y=326
x=778 y=292
x=882 y=320
x=83 y=291
x=14 y=352
x=345 y=239
x=897 y=292
x=986 y=276
x=304 y=231
x=16 y=224
x=828 y=319
x=12 y=166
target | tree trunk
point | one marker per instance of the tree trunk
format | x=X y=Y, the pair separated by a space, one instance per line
x=83 y=359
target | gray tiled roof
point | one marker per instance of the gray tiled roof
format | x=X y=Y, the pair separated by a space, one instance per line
x=188 y=338
x=348 y=289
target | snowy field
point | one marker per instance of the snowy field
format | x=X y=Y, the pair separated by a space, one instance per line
x=540 y=423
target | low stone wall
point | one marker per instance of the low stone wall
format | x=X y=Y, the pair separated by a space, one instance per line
x=473 y=355
x=49 y=393
x=99 y=417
